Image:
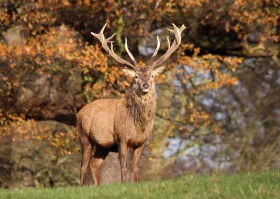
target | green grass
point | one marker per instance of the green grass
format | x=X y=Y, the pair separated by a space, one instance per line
x=237 y=186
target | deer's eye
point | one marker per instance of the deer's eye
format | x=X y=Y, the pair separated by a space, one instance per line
x=136 y=77
x=152 y=76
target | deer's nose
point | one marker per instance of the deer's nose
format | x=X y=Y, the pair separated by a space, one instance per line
x=146 y=85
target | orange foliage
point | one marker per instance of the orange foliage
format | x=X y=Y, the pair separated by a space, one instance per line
x=47 y=51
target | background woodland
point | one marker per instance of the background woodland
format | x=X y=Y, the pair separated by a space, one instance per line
x=218 y=100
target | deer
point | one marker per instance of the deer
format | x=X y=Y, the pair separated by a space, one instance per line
x=119 y=125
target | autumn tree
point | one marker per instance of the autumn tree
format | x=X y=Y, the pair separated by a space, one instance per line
x=50 y=66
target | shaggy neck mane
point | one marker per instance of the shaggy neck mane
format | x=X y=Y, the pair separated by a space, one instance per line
x=141 y=108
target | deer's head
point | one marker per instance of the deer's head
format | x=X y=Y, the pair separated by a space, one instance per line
x=143 y=77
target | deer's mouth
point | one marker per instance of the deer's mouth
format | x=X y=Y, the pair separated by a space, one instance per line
x=146 y=90
x=143 y=91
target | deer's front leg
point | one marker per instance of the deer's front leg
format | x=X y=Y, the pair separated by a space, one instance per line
x=123 y=151
x=136 y=162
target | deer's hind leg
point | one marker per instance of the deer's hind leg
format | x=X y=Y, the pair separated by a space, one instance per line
x=86 y=155
x=96 y=162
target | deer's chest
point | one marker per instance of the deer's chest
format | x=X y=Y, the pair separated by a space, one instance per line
x=138 y=136
x=134 y=125
x=132 y=134
x=136 y=139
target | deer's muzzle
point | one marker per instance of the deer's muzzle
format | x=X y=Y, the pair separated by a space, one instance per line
x=145 y=87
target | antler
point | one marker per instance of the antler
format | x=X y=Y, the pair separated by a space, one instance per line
x=100 y=36
x=177 y=33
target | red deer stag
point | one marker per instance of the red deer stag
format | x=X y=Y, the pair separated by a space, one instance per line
x=117 y=125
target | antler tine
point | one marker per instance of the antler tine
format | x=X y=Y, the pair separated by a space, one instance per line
x=168 y=41
x=129 y=53
x=104 y=42
x=118 y=59
x=158 y=46
x=171 y=48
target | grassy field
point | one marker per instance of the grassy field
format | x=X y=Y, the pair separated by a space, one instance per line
x=237 y=186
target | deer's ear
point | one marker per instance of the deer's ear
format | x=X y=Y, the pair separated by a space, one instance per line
x=159 y=70
x=129 y=72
